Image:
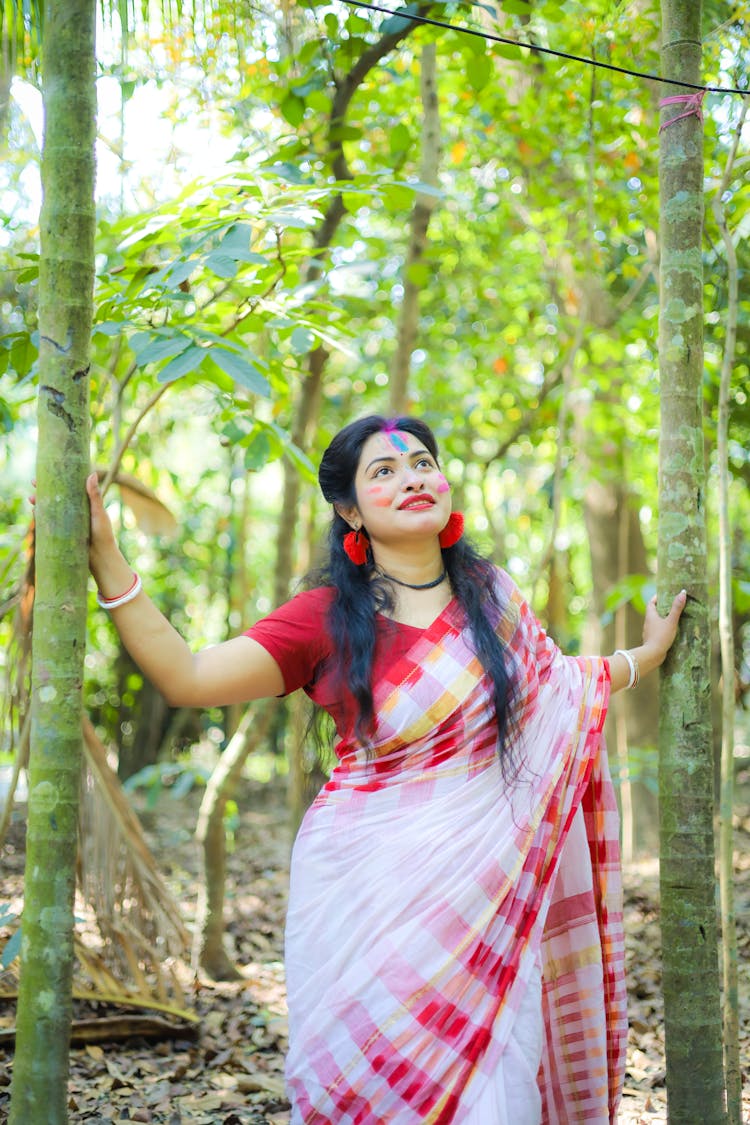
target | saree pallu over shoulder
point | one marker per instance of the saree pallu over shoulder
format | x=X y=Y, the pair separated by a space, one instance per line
x=427 y=890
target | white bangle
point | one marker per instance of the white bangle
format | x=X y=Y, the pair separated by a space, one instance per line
x=132 y=592
x=632 y=665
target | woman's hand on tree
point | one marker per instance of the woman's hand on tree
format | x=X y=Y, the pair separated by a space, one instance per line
x=108 y=565
x=659 y=632
x=658 y=637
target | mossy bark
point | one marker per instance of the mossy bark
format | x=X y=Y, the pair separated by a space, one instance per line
x=695 y=1085
x=40 y=1072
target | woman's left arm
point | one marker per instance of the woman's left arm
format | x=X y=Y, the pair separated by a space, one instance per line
x=626 y=668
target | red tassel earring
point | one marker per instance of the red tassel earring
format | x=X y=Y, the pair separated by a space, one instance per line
x=356 y=545
x=452 y=531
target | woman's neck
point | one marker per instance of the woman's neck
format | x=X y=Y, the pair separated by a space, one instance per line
x=421 y=569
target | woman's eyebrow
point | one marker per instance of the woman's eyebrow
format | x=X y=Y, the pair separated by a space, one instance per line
x=390 y=457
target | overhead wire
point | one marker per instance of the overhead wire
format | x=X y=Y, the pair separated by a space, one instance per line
x=462 y=29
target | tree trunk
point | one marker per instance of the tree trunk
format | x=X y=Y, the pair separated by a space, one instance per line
x=617 y=549
x=730 y=975
x=208 y=950
x=695 y=1085
x=420 y=220
x=39 y=1090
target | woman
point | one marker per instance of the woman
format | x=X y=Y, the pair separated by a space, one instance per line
x=454 y=943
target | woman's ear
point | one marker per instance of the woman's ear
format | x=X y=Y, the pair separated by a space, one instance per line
x=351 y=515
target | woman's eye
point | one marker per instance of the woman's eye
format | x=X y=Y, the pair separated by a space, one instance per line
x=381 y=470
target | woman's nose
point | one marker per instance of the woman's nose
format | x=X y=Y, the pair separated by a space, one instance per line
x=412 y=479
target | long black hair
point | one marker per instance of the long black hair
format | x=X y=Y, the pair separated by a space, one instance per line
x=361 y=592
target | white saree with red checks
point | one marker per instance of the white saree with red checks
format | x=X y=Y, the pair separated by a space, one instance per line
x=429 y=895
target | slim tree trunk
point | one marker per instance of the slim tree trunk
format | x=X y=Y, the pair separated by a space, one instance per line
x=420 y=220
x=695 y=1085
x=731 y=1014
x=208 y=949
x=39 y=1090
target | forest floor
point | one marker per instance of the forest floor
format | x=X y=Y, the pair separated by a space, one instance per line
x=232 y=1072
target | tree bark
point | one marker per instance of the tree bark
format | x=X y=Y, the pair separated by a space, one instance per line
x=730 y=975
x=408 y=324
x=695 y=1084
x=208 y=950
x=39 y=1089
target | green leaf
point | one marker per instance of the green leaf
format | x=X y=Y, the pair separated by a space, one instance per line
x=741 y=596
x=302 y=461
x=398 y=197
x=160 y=348
x=180 y=271
x=394 y=24
x=635 y=588
x=236 y=244
x=507 y=51
x=241 y=371
x=319 y=101
x=183 y=364
x=302 y=340
x=293 y=109
x=309 y=50
x=23 y=354
x=109 y=328
x=480 y=71
x=257 y=452
x=400 y=139
x=352 y=200
x=345 y=133
x=222 y=265
x=11 y=949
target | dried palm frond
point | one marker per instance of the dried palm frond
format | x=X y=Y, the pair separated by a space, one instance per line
x=134 y=952
x=118 y=876
x=151 y=514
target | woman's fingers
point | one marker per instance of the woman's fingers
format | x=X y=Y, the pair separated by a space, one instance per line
x=663 y=630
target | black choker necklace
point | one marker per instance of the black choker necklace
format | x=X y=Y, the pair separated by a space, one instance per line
x=421 y=586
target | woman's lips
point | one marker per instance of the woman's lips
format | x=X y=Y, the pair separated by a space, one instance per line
x=422 y=502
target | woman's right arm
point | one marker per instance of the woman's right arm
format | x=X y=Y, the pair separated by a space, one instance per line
x=234 y=671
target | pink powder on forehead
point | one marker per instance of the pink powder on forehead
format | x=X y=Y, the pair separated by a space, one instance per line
x=396 y=438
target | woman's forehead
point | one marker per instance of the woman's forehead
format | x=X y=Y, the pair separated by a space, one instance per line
x=389 y=443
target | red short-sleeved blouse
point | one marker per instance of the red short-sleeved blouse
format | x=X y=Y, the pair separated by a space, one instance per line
x=296 y=636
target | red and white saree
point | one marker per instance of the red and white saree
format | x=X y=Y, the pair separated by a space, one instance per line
x=429 y=896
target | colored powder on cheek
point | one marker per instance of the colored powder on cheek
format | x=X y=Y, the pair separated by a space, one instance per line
x=377 y=499
x=443 y=485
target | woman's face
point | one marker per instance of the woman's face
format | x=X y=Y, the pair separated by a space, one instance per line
x=401 y=492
